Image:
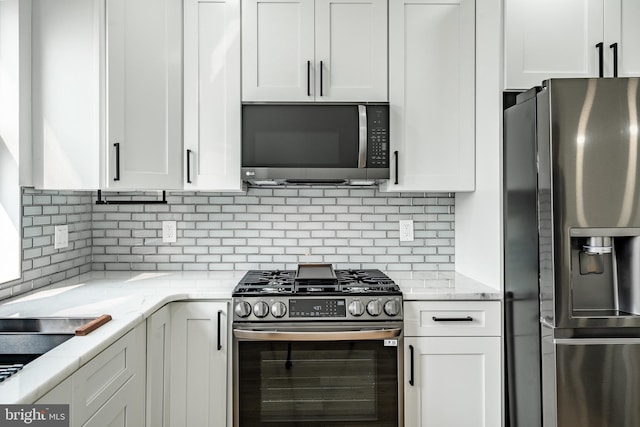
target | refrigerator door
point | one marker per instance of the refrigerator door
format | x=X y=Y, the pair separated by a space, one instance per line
x=597 y=382
x=522 y=327
x=589 y=180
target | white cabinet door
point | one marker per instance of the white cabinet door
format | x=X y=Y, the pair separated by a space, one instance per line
x=158 y=367
x=456 y=382
x=199 y=356
x=539 y=46
x=67 y=71
x=314 y=50
x=621 y=27
x=212 y=95
x=548 y=38
x=431 y=95
x=144 y=94
x=351 y=50
x=277 y=50
x=117 y=373
x=109 y=390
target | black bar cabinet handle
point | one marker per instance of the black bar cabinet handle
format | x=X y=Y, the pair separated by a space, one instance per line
x=219 y=336
x=614 y=46
x=600 y=47
x=321 y=67
x=410 y=365
x=452 y=319
x=189 y=166
x=308 y=78
x=395 y=153
x=116 y=177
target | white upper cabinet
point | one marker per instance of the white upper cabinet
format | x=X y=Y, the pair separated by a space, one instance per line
x=621 y=27
x=314 y=50
x=67 y=74
x=572 y=40
x=144 y=94
x=432 y=95
x=351 y=50
x=212 y=95
x=107 y=94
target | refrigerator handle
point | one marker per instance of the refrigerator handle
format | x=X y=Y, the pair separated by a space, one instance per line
x=614 y=46
x=600 y=47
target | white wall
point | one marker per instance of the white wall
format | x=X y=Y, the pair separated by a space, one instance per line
x=479 y=214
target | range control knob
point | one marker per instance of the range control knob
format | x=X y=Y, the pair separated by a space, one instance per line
x=392 y=308
x=242 y=309
x=356 y=308
x=261 y=309
x=374 y=308
x=278 y=309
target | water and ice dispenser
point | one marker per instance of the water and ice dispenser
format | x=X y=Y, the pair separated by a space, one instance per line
x=605 y=273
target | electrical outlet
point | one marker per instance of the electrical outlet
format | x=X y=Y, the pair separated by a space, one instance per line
x=61 y=236
x=169 y=232
x=406 y=230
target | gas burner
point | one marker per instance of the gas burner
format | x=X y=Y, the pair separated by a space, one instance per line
x=275 y=274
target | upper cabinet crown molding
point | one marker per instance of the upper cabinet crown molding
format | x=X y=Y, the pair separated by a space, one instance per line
x=578 y=39
x=314 y=50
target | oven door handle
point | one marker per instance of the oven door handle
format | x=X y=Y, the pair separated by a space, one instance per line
x=377 y=334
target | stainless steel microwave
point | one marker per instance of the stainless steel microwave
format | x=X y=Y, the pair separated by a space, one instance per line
x=315 y=143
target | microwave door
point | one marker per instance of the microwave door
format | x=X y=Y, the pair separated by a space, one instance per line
x=300 y=136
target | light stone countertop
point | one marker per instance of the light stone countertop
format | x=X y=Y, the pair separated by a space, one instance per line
x=131 y=297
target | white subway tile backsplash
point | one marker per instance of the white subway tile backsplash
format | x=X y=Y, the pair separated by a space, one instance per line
x=264 y=228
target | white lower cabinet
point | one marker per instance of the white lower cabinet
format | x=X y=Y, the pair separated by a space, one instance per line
x=109 y=390
x=158 y=367
x=199 y=364
x=452 y=364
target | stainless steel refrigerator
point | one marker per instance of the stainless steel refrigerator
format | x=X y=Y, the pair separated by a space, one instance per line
x=572 y=254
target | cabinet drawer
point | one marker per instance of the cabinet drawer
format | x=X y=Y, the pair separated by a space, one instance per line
x=97 y=381
x=452 y=318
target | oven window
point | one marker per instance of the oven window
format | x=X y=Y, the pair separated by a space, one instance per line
x=349 y=383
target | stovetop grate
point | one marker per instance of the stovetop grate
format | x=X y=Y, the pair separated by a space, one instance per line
x=284 y=282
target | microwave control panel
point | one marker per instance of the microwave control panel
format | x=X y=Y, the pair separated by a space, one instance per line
x=378 y=144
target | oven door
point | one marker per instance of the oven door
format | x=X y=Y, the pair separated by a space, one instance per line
x=318 y=375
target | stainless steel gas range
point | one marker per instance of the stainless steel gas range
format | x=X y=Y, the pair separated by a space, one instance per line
x=317 y=346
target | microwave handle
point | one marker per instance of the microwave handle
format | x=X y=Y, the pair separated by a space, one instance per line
x=362 y=140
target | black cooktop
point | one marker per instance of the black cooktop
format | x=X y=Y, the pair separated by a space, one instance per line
x=316 y=279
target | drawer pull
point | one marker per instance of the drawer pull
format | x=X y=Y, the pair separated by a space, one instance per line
x=452 y=319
